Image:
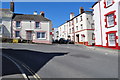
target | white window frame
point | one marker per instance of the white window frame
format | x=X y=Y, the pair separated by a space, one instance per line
x=40 y=35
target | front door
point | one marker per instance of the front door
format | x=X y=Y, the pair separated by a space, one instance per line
x=29 y=35
x=77 y=37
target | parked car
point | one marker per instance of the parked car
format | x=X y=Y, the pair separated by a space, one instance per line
x=55 y=41
x=62 y=41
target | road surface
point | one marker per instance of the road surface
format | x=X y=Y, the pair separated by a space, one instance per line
x=57 y=61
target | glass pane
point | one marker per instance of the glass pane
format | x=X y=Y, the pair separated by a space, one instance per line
x=111 y=20
x=38 y=34
x=37 y=24
x=112 y=39
x=17 y=33
x=109 y=2
x=43 y=34
x=18 y=24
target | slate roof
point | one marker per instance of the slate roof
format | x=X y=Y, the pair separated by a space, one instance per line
x=20 y=17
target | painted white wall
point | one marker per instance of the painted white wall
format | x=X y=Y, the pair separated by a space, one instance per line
x=86 y=24
x=119 y=23
x=63 y=31
x=55 y=34
x=96 y=18
x=97 y=31
x=6 y=23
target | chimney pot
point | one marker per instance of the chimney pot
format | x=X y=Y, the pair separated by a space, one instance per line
x=35 y=13
x=81 y=10
x=12 y=6
x=42 y=13
x=71 y=15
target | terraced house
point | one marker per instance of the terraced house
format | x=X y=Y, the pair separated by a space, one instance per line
x=79 y=29
x=107 y=23
x=34 y=27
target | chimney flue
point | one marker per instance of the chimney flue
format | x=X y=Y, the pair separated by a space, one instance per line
x=81 y=10
x=35 y=13
x=12 y=6
x=42 y=13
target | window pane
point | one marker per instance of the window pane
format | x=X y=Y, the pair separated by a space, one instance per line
x=43 y=34
x=37 y=24
x=18 y=24
x=17 y=33
x=109 y=2
x=110 y=20
x=0 y=29
x=112 y=39
x=38 y=34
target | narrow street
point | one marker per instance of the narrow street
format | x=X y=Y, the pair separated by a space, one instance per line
x=57 y=61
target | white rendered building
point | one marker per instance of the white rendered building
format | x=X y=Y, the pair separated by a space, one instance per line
x=5 y=26
x=63 y=31
x=33 y=27
x=79 y=29
x=107 y=23
x=55 y=33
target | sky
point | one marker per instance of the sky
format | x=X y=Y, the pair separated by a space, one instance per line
x=57 y=12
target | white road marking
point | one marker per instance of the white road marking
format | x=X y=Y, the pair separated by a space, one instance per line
x=24 y=75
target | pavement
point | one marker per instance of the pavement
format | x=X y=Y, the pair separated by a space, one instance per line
x=64 y=61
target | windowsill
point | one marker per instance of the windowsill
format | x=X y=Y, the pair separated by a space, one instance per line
x=109 y=5
x=110 y=26
x=18 y=27
x=17 y=37
x=37 y=27
x=41 y=38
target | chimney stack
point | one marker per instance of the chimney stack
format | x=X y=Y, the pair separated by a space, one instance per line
x=12 y=6
x=71 y=15
x=35 y=13
x=42 y=13
x=81 y=10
